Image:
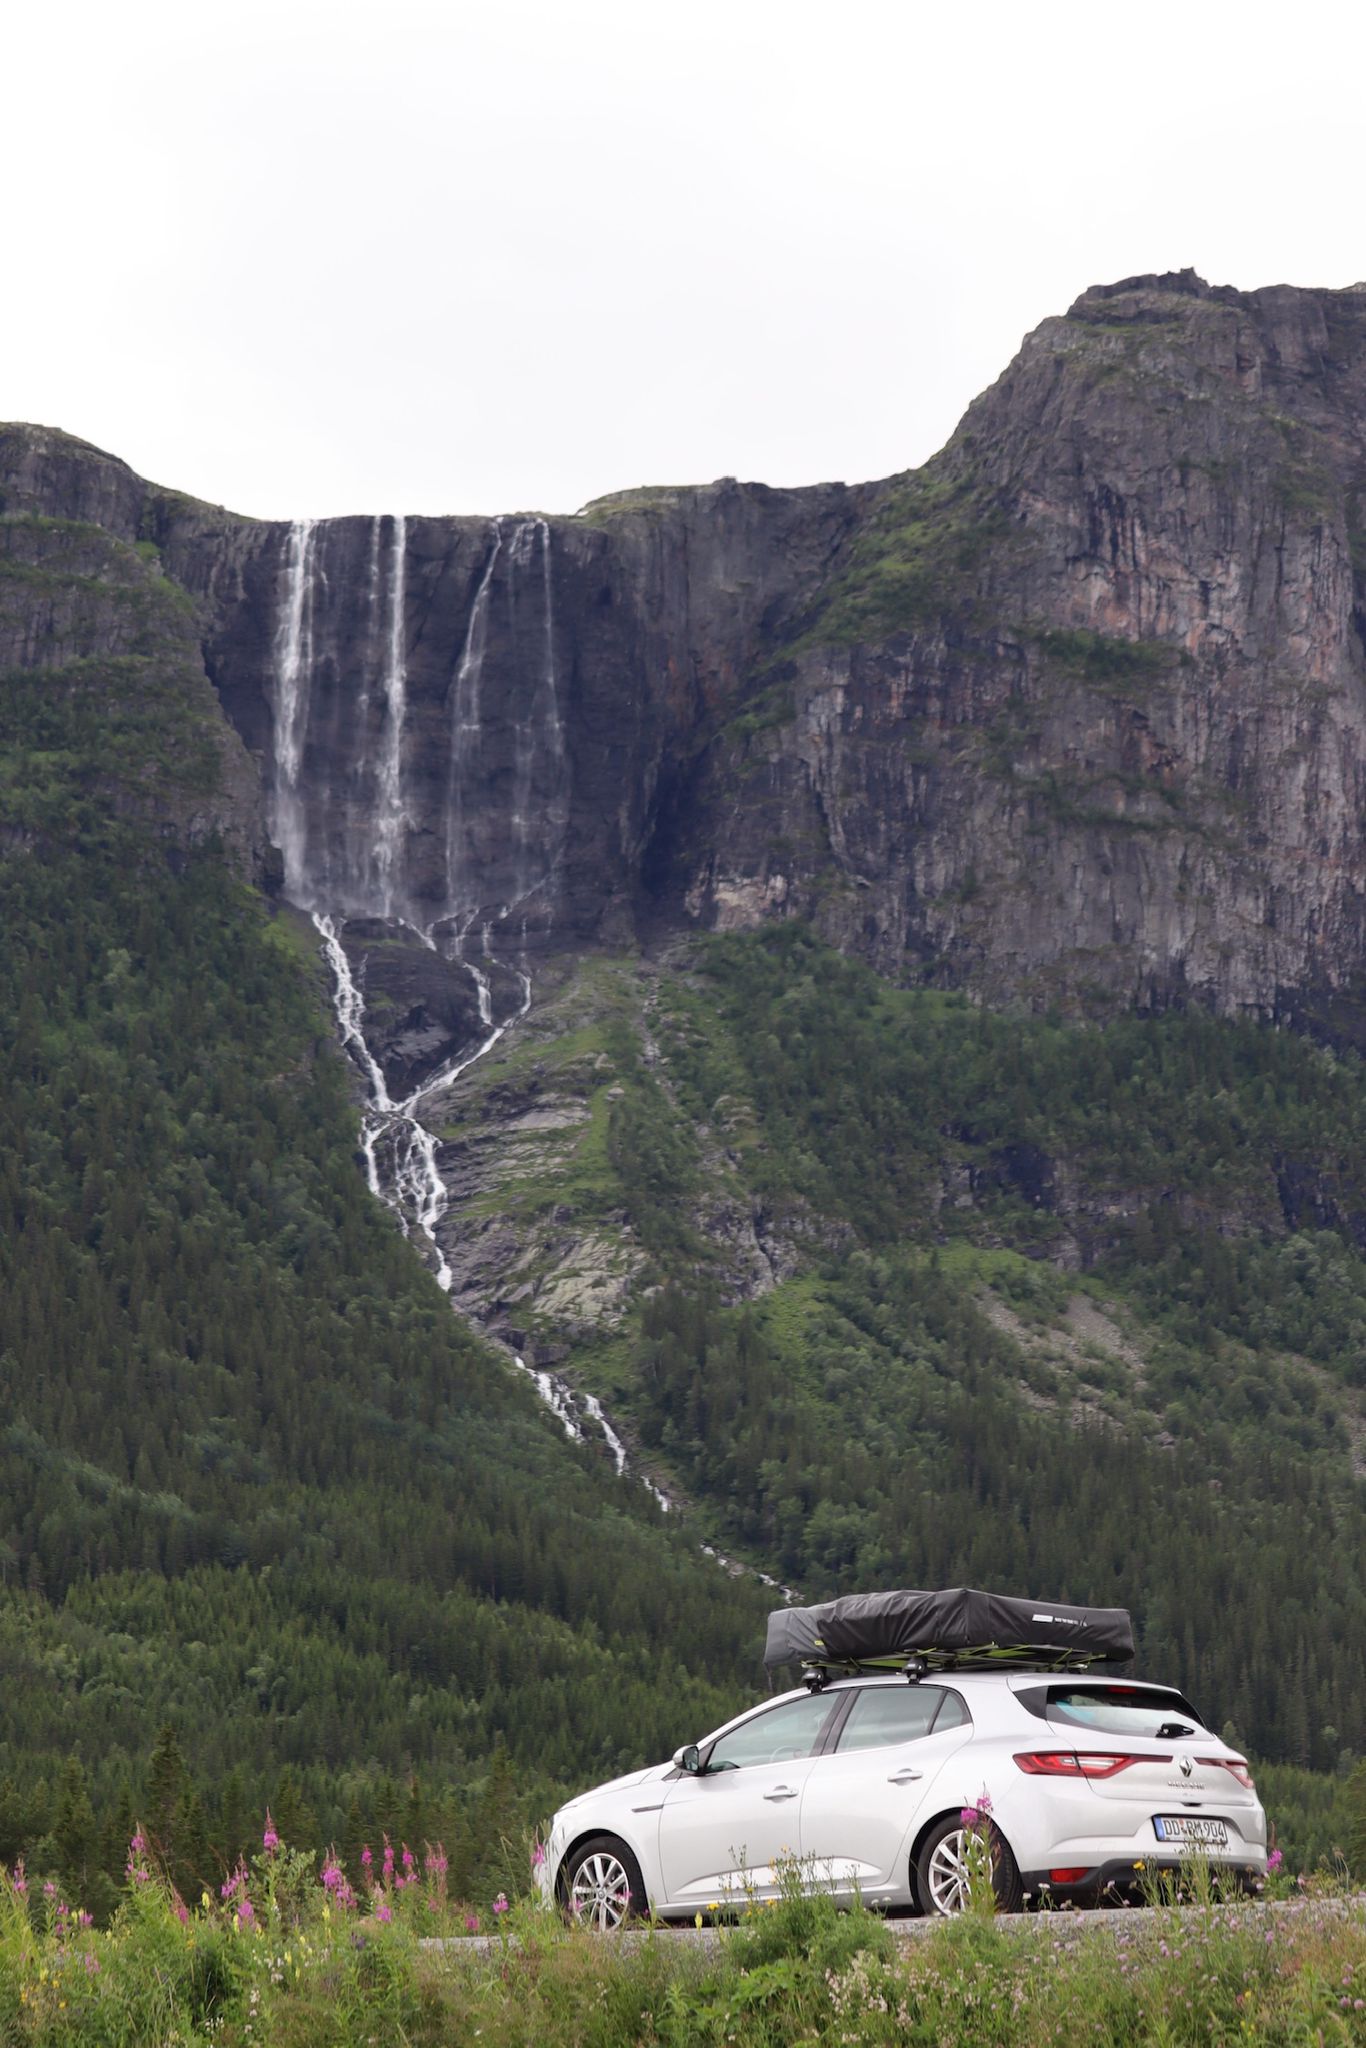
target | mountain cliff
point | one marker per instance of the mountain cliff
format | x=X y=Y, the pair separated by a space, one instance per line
x=1073 y=714
x=592 y=830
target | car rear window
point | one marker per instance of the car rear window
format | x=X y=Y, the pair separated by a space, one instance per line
x=899 y=1713
x=1110 y=1709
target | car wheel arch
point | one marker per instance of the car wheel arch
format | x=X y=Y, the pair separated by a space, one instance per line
x=922 y=1835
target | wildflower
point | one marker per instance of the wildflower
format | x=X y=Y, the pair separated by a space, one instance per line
x=84 y=1919
x=19 y=1881
x=245 y=1912
x=1274 y=1861
x=472 y=1921
x=969 y=1817
x=500 y=1904
x=332 y=1877
x=49 y=1890
x=537 y=1855
x=366 y=1859
x=384 y=1911
x=92 y=1964
x=388 y=1859
x=409 y=1860
x=270 y=1841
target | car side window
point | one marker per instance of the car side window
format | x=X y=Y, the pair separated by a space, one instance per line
x=784 y=1732
x=883 y=1714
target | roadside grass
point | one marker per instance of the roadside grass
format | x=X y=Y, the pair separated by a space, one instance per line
x=288 y=1957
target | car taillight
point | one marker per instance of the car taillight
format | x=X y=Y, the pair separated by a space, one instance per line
x=1231 y=1763
x=1080 y=1763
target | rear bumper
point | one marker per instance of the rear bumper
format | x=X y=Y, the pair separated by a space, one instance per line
x=1131 y=1879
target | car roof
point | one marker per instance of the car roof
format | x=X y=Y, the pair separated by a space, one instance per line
x=1014 y=1680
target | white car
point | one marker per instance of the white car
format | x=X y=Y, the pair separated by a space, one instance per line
x=1092 y=1784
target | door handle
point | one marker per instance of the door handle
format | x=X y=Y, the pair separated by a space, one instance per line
x=782 y=1792
x=905 y=1777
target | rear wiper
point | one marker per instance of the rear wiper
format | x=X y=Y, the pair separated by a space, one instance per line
x=1170 y=1730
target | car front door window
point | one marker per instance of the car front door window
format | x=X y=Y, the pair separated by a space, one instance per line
x=780 y=1735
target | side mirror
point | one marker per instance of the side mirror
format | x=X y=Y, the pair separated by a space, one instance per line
x=687 y=1759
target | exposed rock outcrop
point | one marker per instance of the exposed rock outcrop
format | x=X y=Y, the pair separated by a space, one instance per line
x=1075 y=714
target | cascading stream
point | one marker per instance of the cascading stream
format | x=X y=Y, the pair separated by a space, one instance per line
x=391 y=816
x=360 y=870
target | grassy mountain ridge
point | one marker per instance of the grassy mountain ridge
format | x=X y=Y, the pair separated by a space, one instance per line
x=258 y=1481
x=884 y=1285
x=1030 y=1304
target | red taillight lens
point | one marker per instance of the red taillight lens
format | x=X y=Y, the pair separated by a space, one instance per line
x=1235 y=1764
x=1082 y=1763
x=1072 y=1875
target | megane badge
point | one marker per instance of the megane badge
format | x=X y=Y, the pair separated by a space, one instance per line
x=1185 y=1766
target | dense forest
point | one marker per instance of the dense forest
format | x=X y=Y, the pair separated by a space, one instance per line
x=278 y=1527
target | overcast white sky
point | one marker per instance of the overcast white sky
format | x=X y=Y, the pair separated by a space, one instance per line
x=430 y=256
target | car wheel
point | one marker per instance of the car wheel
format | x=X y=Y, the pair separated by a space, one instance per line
x=602 y=1885
x=942 y=1874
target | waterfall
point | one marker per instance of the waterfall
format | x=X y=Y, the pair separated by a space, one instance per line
x=335 y=655
x=416 y=1189
x=466 y=730
x=540 y=731
x=390 y=816
x=293 y=674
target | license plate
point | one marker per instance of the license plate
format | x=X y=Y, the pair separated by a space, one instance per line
x=1193 y=1828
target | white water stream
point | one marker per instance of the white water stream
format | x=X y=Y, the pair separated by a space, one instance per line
x=400 y=1150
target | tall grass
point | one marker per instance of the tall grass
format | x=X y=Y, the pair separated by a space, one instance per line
x=286 y=1956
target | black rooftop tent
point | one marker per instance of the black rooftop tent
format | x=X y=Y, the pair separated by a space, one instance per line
x=884 y=1631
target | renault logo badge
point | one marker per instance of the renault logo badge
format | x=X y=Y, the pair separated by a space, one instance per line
x=1185 y=1765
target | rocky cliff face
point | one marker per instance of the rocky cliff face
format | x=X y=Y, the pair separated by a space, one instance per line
x=1081 y=716
x=1075 y=714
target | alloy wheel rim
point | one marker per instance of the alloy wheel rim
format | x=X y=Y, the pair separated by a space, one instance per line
x=601 y=1891
x=948 y=1875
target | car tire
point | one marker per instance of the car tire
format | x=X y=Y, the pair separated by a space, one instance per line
x=601 y=1886
x=939 y=1883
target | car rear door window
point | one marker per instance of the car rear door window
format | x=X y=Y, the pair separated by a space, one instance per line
x=1117 y=1709
x=782 y=1733
x=883 y=1714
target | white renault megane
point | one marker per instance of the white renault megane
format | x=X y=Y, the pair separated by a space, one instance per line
x=1090 y=1782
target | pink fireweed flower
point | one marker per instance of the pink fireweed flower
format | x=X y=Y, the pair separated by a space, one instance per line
x=500 y=1904
x=409 y=1860
x=84 y=1919
x=471 y=1923
x=19 y=1881
x=245 y=1911
x=332 y=1877
x=969 y=1817
x=367 y=1857
x=182 y=1911
x=270 y=1841
x=384 y=1911
x=537 y=1855
x=49 y=1890
x=388 y=1859
x=1274 y=1861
